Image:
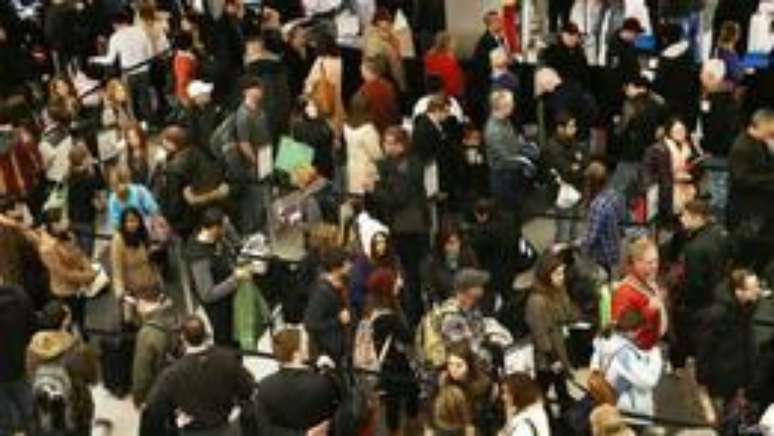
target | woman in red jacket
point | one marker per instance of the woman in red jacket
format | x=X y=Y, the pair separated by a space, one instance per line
x=440 y=60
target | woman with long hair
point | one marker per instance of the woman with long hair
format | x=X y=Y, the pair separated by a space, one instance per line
x=134 y=275
x=548 y=311
x=377 y=252
x=310 y=127
x=464 y=371
x=137 y=155
x=364 y=148
x=683 y=153
x=392 y=336
x=441 y=60
x=61 y=89
x=327 y=72
x=117 y=112
x=728 y=38
x=525 y=412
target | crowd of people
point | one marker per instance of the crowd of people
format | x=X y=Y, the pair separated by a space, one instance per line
x=137 y=150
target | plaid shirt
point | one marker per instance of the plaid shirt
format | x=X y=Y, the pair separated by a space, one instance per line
x=604 y=231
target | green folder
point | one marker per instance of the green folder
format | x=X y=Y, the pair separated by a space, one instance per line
x=292 y=155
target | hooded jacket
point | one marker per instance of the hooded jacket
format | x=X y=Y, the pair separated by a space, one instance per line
x=633 y=373
x=155 y=343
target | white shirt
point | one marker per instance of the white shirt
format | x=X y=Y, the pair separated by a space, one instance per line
x=313 y=7
x=454 y=107
x=56 y=158
x=131 y=45
x=532 y=421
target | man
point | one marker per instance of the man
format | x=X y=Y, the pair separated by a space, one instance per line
x=203 y=116
x=492 y=39
x=201 y=389
x=727 y=348
x=568 y=158
x=131 y=46
x=380 y=95
x=296 y=398
x=215 y=279
x=247 y=163
x=434 y=85
x=269 y=68
x=751 y=212
x=568 y=57
x=433 y=144
x=706 y=256
x=55 y=145
x=643 y=113
x=461 y=319
x=604 y=228
x=17 y=320
x=155 y=344
x=751 y=163
x=622 y=63
x=327 y=317
x=640 y=291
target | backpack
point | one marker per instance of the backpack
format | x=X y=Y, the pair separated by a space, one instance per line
x=365 y=355
x=324 y=93
x=223 y=136
x=429 y=344
x=52 y=390
x=512 y=315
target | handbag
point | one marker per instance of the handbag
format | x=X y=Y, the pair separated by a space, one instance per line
x=99 y=284
x=600 y=390
x=57 y=198
x=568 y=196
x=324 y=93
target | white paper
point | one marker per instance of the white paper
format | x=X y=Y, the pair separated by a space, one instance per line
x=520 y=358
x=431 y=180
x=265 y=162
x=652 y=202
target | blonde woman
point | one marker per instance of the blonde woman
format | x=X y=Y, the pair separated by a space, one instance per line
x=381 y=43
x=327 y=72
x=117 y=113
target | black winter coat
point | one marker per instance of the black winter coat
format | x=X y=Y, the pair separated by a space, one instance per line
x=400 y=195
x=721 y=120
x=706 y=256
x=677 y=80
x=726 y=353
x=17 y=322
x=321 y=320
x=751 y=167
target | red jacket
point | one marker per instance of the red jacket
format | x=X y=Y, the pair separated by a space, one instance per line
x=446 y=67
x=21 y=169
x=631 y=293
x=382 y=102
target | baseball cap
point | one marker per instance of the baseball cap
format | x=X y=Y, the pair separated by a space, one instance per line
x=467 y=278
x=197 y=88
x=633 y=25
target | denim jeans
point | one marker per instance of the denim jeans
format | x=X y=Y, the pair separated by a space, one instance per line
x=717 y=185
x=16 y=407
x=567 y=224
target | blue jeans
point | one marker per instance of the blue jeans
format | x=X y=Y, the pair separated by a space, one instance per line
x=567 y=224
x=717 y=185
x=16 y=407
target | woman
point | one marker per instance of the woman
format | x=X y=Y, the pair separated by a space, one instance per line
x=451 y=414
x=134 y=275
x=138 y=157
x=117 y=111
x=462 y=370
x=21 y=165
x=391 y=330
x=377 y=253
x=630 y=370
x=728 y=38
x=442 y=61
x=310 y=128
x=61 y=89
x=185 y=67
x=548 y=312
x=382 y=45
x=683 y=154
x=451 y=254
x=323 y=84
x=126 y=194
x=524 y=409
x=298 y=57
x=606 y=213
x=401 y=202
x=364 y=148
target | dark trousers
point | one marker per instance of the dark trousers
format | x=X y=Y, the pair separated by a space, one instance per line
x=548 y=379
x=221 y=315
x=140 y=86
x=404 y=396
x=411 y=249
x=558 y=14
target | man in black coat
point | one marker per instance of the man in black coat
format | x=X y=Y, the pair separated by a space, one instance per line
x=433 y=143
x=726 y=352
x=269 y=68
x=751 y=162
x=17 y=324
x=493 y=38
x=297 y=397
x=622 y=64
x=327 y=317
x=202 y=388
x=706 y=256
x=568 y=57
